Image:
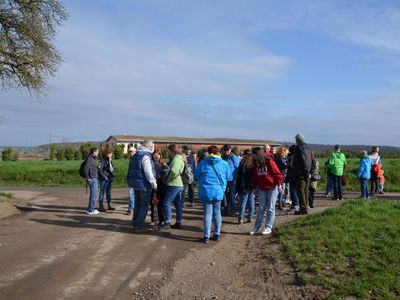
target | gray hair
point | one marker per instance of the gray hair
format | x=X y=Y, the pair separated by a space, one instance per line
x=364 y=152
x=147 y=142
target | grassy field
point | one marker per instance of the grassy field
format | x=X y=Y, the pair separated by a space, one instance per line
x=65 y=173
x=350 y=250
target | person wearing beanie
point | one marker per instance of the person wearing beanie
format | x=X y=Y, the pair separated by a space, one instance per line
x=302 y=169
x=212 y=174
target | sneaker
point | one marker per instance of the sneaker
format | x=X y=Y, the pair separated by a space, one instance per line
x=381 y=192
x=93 y=212
x=240 y=221
x=153 y=223
x=129 y=212
x=327 y=195
x=279 y=206
x=300 y=212
x=102 y=209
x=111 y=208
x=206 y=240
x=216 y=237
x=249 y=220
x=177 y=225
x=254 y=232
x=266 y=231
x=166 y=226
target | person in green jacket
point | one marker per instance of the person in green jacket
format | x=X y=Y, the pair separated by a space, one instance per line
x=174 y=187
x=336 y=164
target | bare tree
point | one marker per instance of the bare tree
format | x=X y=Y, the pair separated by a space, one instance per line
x=27 y=55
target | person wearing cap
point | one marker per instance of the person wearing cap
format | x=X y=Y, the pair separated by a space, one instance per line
x=132 y=152
x=336 y=164
x=141 y=176
x=233 y=163
x=212 y=173
x=302 y=169
x=364 y=173
x=190 y=187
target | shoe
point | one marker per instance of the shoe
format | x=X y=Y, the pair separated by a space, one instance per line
x=206 y=240
x=111 y=208
x=93 y=212
x=177 y=225
x=301 y=212
x=102 y=209
x=381 y=193
x=153 y=223
x=311 y=206
x=129 y=212
x=216 y=237
x=138 y=231
x=266 y=231
x=340 y=199
x=249 y=220
x=327 y=195
x=240 y=221
x=254 y=232
x=166 y=226
x=279 y=206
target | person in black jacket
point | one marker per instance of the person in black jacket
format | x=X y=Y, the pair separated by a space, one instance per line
x=244 y=185
x=91 y=175
x=106 y=174
x=302 y=171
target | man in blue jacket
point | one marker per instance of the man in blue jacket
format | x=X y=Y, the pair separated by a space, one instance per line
x=212 y=174
x=230 y=194
x=364 y=173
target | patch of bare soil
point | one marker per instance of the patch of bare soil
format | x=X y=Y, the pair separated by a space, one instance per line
x=7 y=209
x=240 y=266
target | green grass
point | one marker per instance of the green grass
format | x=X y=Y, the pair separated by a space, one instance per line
x=52 y=173
x=4 y=196
x=65 y=173
x=350 y=250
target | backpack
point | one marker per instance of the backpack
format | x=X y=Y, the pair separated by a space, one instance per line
x=187 y=174
x=82 y=169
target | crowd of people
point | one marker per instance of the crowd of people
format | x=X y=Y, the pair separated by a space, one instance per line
x=271 y=175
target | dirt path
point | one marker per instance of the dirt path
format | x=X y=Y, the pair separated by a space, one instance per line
x=53 y=250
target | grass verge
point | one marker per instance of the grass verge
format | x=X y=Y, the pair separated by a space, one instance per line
x=4 y=196
x=349 y=250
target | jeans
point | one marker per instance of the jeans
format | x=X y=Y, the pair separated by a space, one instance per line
x=131 y=199
x=337 y=187
x=364 y=187
x=293 y=195
x=93 y=185
x=230 y=198
x=173 y=195
x=374 y=183
x=329 y=184
x=212 y=211
x=281 y=197
x=302 y=193
x=105 y=188
x=190 y=188
x=247 y=197
x=267 y=200
x=142 y=202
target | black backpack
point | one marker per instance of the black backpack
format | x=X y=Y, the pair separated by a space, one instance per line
x=82 y=169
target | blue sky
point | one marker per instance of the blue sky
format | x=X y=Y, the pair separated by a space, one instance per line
x=243 y=69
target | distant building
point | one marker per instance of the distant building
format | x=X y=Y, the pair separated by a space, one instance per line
x=195 y=143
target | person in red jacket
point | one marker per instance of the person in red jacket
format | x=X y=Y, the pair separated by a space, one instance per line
x=268 y=180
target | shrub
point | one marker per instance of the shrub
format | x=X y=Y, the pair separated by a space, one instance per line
x=60 y=154
x=52 y=152
x=118 y=151
x=85 y=149
x=69 y=153
x=9 y=155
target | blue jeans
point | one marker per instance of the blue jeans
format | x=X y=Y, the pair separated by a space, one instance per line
x=105 y=188
x=247 y=197
x=267 y=200
x=281 y=198
x=230 y=198
x=142 y=202
x=173 y=195
x=93 y=186
x=364 y=187
x=131 y=198
x=212 y=211
x=329 y=184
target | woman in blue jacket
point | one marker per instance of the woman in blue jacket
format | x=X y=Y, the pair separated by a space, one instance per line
x=212 y=174
x=364 y=173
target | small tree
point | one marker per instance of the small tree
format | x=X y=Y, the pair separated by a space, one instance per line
x=85 y=149
x=52 y=152
x=77 y=154
x=69 y=153
x=118 y=151
x=165 y=153
x=60 y=154
x=7 y=154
